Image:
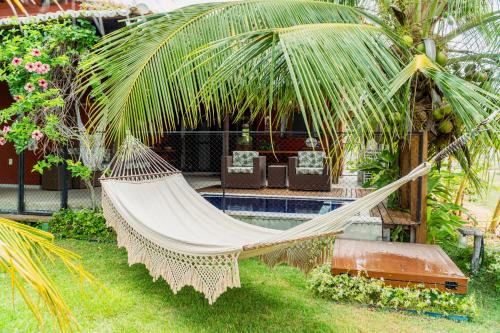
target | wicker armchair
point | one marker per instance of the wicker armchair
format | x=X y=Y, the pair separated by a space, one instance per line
x=309 y=171
x=245 y=169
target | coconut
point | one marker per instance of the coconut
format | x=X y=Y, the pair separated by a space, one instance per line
x=407 y=40
x=446 y=110
x=445 y=127
x=479 y=77
x=441 y=58
x=438 y=114
x=420 y=48
x=470 y=68
x=483 y=76
x=422 y=116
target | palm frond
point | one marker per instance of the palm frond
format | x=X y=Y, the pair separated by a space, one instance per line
x=24 y=252
x=339 y=74
x=470 y=103
x=477 y=35
x=136 y=90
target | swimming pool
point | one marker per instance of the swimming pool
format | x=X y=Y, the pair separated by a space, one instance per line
x=283 y=213
x=275 y=205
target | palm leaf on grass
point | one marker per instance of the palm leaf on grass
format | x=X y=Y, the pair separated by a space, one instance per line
x=24 y=252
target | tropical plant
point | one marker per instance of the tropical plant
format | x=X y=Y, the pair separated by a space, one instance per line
x=359 y=289
x=38 y=62
x=383 y=167
x=495 y=218
x=87 y=224
x=380 y=62
x=444 y=217
x=25 y=254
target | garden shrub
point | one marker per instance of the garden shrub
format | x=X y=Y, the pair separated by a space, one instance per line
x=87 y=224
x=359 y=289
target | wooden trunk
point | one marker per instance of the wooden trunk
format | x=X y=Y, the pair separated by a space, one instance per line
x=399 y=264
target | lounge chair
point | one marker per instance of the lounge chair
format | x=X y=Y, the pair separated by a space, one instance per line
x=309 y=171
x=245 y=169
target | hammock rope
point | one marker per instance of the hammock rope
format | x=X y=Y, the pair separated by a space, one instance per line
x=179 y=236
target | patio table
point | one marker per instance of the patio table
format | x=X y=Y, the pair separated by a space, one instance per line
x=277 y=176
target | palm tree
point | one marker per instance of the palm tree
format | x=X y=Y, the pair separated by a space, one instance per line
x=24 y=254
x=384 y=63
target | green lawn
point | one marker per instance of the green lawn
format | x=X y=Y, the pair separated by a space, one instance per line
x=270 y=300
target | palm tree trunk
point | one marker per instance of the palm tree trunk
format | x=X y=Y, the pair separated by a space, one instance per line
x=496 y=217
x=460 y=195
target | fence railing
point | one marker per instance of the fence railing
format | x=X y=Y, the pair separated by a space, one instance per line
x=204 y=157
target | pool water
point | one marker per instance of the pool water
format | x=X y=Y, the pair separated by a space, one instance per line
x=315 y=206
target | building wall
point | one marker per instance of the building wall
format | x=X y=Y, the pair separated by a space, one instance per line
x=8 y=157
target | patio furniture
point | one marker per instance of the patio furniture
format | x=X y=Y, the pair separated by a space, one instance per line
x=277 y=176
x=165 y=224
x=309 y=171
x=245 y=169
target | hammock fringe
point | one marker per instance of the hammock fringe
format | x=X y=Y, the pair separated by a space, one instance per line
x=209 y=275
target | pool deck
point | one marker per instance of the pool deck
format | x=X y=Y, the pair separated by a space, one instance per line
x=336 y=192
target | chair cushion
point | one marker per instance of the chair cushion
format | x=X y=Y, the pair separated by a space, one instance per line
x=240 y=169
x=244 y=158
x=309 y=171
x=311 y=159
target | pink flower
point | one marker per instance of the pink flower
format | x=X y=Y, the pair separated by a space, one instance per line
x=2 y=141
x=30 y=67
x=18 y=98
x=38 y=64
x=36 y=53
x=16 y=61
x=37 y=135
x=45 y=68
x=6 y=129
x=29 y=87
x=43 y=84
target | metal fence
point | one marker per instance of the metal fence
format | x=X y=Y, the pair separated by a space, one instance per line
x=273 y=193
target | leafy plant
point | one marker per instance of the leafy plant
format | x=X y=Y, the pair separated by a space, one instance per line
x=359 y=289
x=37 y=63
x=383 y=167
x=25 y=254
x=443 y=220
x=85 y=224
x=79 y=170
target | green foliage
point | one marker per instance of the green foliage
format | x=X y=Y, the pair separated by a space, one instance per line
x=36 y=62
x=79 y=170
x=489 y=272
x=85 y=224
x=384 y=169
x=443 y=220
x=46 y=163
x=359 y=289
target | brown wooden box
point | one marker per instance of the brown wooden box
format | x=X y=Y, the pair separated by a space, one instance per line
x=400 y=264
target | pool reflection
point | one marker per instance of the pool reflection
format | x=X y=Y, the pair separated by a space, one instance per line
x=274 y=205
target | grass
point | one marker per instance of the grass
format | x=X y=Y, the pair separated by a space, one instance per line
x=270 y=300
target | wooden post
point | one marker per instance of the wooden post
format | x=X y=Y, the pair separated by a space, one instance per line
x=418 y=188
x=225 y=143
x=404 y=166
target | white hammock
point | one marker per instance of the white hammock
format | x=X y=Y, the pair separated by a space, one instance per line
x=166 y=225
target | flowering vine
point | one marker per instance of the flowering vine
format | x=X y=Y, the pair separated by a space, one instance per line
x=36 y=64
